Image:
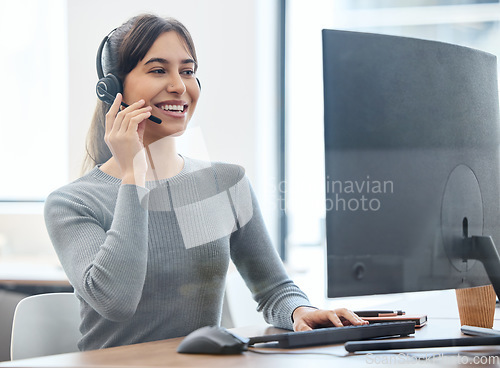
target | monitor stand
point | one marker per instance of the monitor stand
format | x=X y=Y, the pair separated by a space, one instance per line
x=481 y=248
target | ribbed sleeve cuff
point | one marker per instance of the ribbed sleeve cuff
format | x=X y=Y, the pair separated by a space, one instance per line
x=285 y=319
x=279 y=314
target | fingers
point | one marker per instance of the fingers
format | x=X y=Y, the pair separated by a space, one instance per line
x=131 y=116
x=346 y=317
x=335 y=319
x=131 y=121
x=117 y=119
x=326 y=318
x=124 y=131
x=113 y=110
x=302 y=327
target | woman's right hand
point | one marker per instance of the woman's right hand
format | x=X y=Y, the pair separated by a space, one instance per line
x=124 y=137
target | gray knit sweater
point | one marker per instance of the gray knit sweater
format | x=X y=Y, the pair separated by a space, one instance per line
x=150 y=263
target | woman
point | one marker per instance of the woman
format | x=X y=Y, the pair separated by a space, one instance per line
x=146 y=235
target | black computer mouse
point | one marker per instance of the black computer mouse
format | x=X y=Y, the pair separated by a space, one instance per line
x=213 y=340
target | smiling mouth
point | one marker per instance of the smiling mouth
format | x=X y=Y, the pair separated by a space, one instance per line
x=173 y=108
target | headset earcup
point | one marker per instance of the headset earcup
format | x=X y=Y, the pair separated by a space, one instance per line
x=199 y=84
x=108 y=87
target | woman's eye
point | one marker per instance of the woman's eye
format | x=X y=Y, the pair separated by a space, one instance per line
x=188 y=72
x=158 y=71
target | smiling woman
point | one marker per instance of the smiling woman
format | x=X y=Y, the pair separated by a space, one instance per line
x=146 y=235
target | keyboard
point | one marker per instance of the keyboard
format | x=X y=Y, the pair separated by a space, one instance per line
x=336 y=335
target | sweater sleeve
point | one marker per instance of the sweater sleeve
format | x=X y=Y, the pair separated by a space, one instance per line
x=259 y=263
x=106 y=268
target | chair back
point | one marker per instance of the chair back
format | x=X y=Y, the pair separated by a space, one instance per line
x=45 y=324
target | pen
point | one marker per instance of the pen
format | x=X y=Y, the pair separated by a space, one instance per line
x=379 y=313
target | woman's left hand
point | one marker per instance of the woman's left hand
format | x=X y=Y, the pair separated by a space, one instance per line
x=306 y=318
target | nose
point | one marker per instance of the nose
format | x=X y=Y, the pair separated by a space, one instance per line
x=175 y=84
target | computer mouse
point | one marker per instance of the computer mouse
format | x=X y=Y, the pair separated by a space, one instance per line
x=213 y=340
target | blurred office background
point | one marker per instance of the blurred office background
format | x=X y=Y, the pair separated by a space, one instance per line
x=261 y=104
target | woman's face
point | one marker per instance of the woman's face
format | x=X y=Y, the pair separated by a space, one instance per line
x=165 y=79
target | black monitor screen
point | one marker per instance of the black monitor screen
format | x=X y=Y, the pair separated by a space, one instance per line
x=411 y=162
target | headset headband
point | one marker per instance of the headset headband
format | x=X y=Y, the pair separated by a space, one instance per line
x=100 y=70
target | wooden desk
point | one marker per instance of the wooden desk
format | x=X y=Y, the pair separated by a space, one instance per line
x=163 y=353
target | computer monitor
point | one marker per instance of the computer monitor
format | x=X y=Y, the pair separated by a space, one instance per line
x=411 y=165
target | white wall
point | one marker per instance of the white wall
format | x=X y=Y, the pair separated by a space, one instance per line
x=235 y=121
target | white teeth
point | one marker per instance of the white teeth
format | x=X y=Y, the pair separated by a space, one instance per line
x=178 y=108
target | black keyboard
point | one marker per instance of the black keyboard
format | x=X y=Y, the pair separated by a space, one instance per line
x=336 y=335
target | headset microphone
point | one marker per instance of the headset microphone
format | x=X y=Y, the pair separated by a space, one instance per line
x=106 y=97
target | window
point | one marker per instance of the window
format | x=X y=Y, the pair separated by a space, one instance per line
x=33 y=99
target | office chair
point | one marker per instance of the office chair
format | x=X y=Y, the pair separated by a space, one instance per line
x=45 y=324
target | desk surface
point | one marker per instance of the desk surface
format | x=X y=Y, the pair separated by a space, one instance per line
x=163 y=353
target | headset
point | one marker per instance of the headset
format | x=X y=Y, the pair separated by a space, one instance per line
x=110 y=85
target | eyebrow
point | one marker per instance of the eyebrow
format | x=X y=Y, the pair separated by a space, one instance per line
x=165 y=61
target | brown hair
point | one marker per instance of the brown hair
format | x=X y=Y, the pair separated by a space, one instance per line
x=125 y=48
